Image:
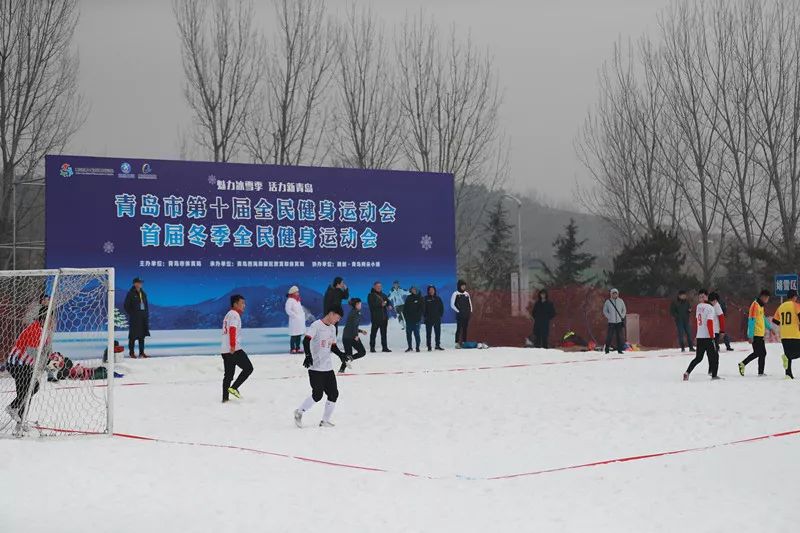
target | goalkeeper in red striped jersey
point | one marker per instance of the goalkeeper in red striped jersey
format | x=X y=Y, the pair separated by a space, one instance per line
x=232 y=353
x=21 y=362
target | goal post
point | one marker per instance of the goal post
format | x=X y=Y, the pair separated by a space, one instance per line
x=57 y=352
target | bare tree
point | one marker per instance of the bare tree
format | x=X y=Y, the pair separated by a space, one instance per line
x=288 y=124
x=219 y=47
x=40 y=108
x=367 y=118
x=775 y=70
x=621 y=146
x=695 y=161
x=450 y=98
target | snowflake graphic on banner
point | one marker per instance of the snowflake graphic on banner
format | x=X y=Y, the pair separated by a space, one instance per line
x=212 y=179
x=108 y=247
x=426 y=242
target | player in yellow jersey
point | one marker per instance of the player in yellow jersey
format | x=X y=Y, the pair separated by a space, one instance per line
x=787 y=318
x=757 y=327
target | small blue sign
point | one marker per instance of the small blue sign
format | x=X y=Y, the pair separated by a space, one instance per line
x=784 y=283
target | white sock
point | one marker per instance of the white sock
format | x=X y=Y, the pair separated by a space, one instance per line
x=307 y=404
x=329 y=407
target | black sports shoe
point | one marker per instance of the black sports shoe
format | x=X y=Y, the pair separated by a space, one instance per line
x=440 y=348
x=343 y=368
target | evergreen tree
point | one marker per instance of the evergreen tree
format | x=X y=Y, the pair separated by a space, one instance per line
x=652 y=266
x=571 y=263
x=120 y=320
x=498 y=255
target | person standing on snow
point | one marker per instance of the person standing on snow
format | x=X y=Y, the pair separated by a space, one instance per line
x=414 y=309
x=615 y=312
x=787 y=319
x=397 y=296
x=543 y=312
x=334 y=295
x=378 y=311
x=138 y=310
x=434 y=311
x=704 y=314
x=757 y=326
x=297 y=319
x=319 y=343
x=232 y=353
x=461 y=303
x=680 y=309
x=350 y=339
x=719 y=319
x=724 y=337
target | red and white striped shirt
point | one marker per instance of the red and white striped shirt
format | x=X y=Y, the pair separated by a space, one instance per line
x=28 y=339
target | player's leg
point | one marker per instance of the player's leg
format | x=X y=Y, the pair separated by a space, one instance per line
x=359 y=347
x=242 y=361
x=762 y=354
x=227 y=378
x=698 y=358
x=332 y=394
x=713 y=361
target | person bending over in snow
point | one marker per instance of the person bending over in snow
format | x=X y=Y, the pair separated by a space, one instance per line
x=350 y=338
x=232 y=353
x=21 y=363
x=319 y=343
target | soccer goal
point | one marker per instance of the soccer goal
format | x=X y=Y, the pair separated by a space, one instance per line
x=56 y=352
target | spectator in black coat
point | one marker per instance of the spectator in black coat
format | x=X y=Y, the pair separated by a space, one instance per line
x=378 y=311
x=543 y=312
x=434 y=311
x=138 y=310
x=413 y=310
x=334 y=295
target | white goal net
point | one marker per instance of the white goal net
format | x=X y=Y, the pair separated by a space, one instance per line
x=56 y=352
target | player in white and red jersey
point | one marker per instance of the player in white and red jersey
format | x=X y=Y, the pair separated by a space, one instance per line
x=319 y=343
x=706 y=335
x=232 y=353
x=21 y=362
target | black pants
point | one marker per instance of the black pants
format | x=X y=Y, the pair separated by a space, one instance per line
x=323 y=382
x=354 y=344
x=724 y=338
x=614 y=330
x=706 y=346
x=791 y=349
x=294 y=342
x=541 y=334
x=759 y=352
x=462 y=325
x=231 y=361
x=132 y=342
x=684 y=332
x=23 y=375
x=412 y=329
x=376 y=327
x=437 y=331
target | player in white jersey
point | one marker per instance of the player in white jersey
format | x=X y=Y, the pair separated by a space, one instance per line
x=319 y=343
x=232 y=353
x=705 y=316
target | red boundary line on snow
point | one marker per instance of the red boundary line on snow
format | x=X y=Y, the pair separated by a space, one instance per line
x=403 y=372
x=430 y=476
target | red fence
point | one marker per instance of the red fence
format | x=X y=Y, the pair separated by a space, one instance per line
x=580 y=309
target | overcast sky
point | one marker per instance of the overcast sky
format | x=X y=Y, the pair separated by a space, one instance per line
x=547 y=52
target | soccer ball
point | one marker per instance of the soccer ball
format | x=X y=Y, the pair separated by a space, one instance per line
x=55 y=362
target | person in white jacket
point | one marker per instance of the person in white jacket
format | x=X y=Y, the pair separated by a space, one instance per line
x=615 y=312
x=297 y=319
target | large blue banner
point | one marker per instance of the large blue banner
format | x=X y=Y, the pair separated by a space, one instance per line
x=198 y=232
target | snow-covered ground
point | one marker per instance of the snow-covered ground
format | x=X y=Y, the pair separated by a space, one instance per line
x=438 y=416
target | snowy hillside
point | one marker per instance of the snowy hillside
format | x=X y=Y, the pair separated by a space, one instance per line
x=426 y=443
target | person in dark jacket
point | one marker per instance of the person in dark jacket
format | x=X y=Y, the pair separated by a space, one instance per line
x=434 y=311
x=461 y=303
x=543 y=312
x=138 y=310
x=378 y=311
x=724 y=338
x=350 y=339
x=334 y=295
x=680 y=310
x=413 y=311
